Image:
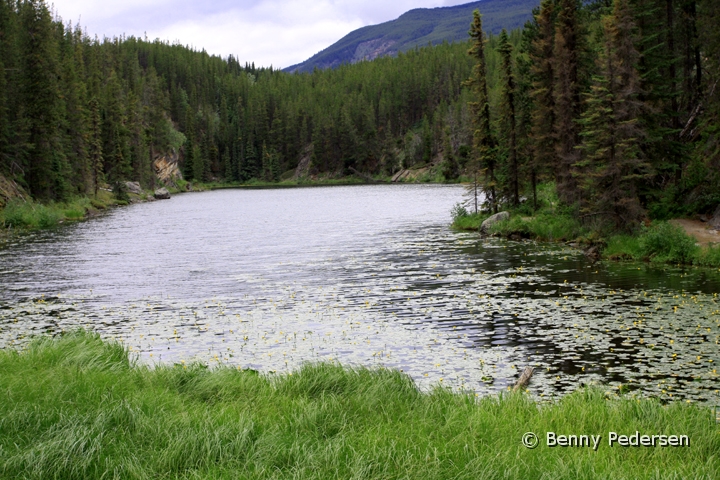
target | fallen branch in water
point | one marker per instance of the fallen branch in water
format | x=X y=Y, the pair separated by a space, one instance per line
x=524 y=378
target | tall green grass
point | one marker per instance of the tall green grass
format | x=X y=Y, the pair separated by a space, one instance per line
x=543 y=226
x=29 y=214
x=21 y=214
x=77 y=408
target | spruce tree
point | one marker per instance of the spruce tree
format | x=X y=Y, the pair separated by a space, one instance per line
x=450 y=163
x=542 y=91
x=95 y=144
x=45 y=158
x=611 y=156
x=508 y=122
x=484 y=142
x=567 y=98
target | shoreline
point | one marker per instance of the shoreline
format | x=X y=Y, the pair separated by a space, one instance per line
x=33 y=215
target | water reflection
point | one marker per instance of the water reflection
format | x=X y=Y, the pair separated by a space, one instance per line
x=369 y=276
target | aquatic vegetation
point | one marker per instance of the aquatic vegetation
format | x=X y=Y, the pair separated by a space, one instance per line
x=77 y=407
x=449 y=306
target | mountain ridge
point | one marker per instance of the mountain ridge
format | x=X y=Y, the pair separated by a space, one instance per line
x=418 y=27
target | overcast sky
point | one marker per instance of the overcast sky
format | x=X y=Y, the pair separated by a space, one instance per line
x=268 y=32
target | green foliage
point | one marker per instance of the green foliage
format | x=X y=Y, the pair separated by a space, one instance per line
x=458 y=212
x=667 y=243
x=708 y=256
x=20 y=214
x=471 y=221
x=623 y=247
x=76 y=407
x=546 y=226
x=662 y=242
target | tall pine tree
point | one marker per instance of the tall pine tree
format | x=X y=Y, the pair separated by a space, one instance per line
x=508 y=122
x=612 y=163
x=484 y=142
x=567 y=98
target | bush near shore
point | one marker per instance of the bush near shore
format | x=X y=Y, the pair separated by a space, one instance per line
x=77 y=407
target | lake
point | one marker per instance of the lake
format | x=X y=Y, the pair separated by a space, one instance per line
x=365 y=276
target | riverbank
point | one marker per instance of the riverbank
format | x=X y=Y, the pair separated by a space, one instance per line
x=77 y=407
x=659 y=241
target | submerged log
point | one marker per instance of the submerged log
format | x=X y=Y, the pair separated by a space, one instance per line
x=524 y=378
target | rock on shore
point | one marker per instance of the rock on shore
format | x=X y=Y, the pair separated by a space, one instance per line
x=498 y=217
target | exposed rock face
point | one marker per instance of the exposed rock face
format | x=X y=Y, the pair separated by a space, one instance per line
x=498 y=217
x=373 y=49
x=167 y=169
x=8 y=190
x=133 y=187
x=715 y=220
x=303 y=168
x=162 y=194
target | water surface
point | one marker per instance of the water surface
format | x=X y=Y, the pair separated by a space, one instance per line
x=363 y=275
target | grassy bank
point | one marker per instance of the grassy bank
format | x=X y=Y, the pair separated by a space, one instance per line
x=28 y=214
x=77 y=407
x=661 y=242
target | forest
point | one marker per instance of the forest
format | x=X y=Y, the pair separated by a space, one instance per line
x=614 y=102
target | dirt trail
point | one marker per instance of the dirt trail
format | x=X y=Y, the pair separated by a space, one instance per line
x=698 y=230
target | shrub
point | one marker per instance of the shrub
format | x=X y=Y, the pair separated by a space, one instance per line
x=19 y=214
x=623 y=247
x=545 y=226
x=458 y=211
x=664 y=242
x=708 y=256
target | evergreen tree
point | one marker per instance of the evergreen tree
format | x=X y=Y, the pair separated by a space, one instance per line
x=45 y=157
x=508 y=123
x=189 y=160
x=484 y=142
x=450 y=163
x=542 y=91
x=567 y=98
x=95 y=144
x=612 y=159
x=250 y=169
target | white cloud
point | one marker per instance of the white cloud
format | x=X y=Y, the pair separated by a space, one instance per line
x=267 y=32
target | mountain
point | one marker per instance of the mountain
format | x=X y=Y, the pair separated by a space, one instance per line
x=419 y=27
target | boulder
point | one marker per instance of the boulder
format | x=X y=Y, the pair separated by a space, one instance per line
x=133 y=187
x=162 y=194
x=498 y=217
x=593 y=253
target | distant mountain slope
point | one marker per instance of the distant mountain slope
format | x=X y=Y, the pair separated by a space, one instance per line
x=419 y=27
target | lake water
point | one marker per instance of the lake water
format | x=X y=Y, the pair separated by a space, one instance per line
x=362 y=275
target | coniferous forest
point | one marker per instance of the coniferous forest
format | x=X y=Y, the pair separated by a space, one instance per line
x=616 y=102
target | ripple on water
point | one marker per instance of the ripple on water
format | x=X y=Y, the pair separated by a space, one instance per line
x=401 y=292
